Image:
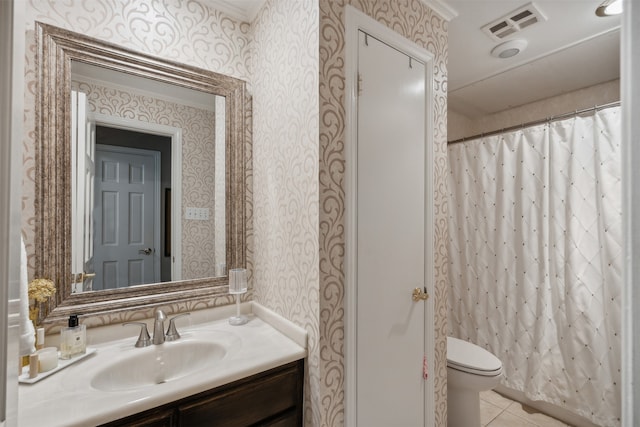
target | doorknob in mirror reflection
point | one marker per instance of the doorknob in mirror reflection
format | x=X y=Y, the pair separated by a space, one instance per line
x=81 y=277
x=82 y=282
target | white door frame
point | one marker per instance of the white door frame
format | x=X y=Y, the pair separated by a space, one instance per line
x=176 y=175
x=79 y=142
x=12 y=89
x=354 y=22
x=630 y=96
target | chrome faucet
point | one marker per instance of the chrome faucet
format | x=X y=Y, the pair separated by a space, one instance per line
x=158 y=327
x=159 y=335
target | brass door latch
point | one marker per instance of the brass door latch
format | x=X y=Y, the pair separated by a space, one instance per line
x=419 y=295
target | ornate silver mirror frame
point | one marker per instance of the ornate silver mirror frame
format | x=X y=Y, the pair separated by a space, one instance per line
x=56 y=49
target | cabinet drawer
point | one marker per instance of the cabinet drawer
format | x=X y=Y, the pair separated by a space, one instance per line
x=248 y=404
x=152 y=418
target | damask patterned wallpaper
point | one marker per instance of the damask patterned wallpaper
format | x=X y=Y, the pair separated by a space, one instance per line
x=285 y=173
x=293 y=48
x=413 y=20
x=198 y=164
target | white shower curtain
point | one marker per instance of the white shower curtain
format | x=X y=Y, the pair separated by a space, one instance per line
x=536 y=258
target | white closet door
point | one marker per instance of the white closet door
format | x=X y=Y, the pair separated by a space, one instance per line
x=391 y=242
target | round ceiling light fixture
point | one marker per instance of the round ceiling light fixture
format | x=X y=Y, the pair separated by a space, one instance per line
x=609 y=8
x=509 y=49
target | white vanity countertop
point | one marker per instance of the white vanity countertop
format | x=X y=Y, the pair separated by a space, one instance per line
x=68 y=399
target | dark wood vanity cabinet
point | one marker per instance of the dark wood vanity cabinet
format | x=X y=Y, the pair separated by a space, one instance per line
x=271 y=398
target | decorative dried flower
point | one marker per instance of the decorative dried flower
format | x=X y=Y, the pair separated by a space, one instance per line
x=41 y=289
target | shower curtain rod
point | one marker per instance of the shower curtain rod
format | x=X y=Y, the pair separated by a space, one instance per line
x=537 y=122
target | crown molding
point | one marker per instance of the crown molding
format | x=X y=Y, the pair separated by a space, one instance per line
x=243 y=10
x=441 y=8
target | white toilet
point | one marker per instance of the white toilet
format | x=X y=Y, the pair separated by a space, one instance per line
x=470 y=370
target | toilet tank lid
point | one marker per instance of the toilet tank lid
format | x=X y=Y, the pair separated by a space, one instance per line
x=465 y=354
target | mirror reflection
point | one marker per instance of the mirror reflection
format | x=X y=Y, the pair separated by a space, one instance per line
x=206 y=176
x=148 y=181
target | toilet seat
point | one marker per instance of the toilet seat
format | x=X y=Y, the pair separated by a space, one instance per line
x=468 y=357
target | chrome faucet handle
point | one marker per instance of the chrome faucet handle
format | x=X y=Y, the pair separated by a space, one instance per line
x=172 y=332
x=144 y=339
x=158 y=327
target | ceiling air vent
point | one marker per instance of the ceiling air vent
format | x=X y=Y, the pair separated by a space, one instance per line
x=514 y=22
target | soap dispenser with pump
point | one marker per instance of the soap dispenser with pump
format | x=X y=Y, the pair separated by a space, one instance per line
x=73 y=339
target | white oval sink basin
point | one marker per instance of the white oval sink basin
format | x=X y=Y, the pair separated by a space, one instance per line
x=157 y=364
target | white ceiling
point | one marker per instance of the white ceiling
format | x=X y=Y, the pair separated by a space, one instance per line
x=571 y=50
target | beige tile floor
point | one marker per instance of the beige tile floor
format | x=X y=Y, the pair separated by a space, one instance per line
x=499 y=411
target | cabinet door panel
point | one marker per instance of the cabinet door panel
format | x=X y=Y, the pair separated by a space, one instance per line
x=245 y=405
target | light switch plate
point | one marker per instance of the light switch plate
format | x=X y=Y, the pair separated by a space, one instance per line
x=197 y=214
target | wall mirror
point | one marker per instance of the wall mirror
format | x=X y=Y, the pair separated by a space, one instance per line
x=140 y=194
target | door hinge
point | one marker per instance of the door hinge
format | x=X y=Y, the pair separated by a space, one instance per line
x=359 y=84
